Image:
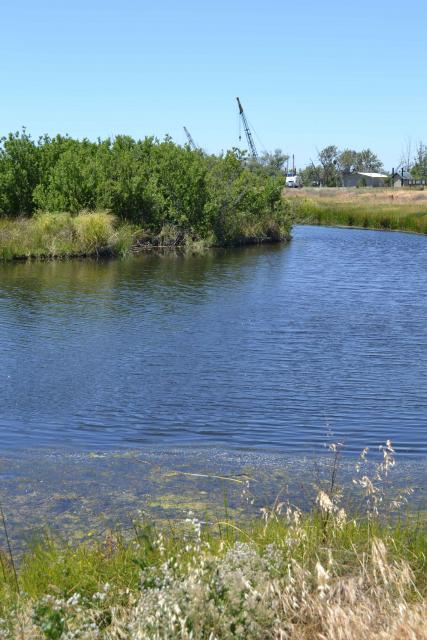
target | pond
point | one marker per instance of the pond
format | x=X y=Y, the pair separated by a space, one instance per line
x=260 y=348
x=259 y=351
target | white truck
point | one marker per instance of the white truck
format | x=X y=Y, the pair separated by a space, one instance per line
x=294 y=182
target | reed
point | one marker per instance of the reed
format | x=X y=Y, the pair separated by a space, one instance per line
x=52 y=235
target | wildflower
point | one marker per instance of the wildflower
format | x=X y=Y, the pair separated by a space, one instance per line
x=74 y=600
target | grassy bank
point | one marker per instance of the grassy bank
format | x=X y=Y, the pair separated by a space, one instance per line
x=388 y=209
x=325 y=574
x=291 y=576
x=62 y=235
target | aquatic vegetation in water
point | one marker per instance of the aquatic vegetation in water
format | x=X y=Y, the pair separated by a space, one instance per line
x=328 y=573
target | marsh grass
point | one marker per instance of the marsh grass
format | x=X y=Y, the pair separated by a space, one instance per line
x=324 y=574
x=51 y=235
x=385 y=210
x=63 y=235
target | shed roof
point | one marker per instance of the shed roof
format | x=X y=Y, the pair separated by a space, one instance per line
x=371 y=175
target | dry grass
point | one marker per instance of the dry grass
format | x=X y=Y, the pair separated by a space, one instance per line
x=238 y=596
x=361 y=196
x=285 y=576
x=238 y=590
x=393 y=209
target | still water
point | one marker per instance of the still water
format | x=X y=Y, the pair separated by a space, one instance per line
x=267 y=349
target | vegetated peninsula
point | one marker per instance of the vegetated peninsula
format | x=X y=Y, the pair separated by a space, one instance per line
x=65 y=197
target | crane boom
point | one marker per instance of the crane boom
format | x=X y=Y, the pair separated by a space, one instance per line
x=248 y=133
x=191 y=142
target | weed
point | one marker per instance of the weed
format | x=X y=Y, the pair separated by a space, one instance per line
x=329 y=574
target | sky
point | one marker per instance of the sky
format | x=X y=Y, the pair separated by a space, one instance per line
x=309 y=74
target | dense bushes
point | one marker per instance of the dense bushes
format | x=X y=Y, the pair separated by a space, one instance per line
x=147 y=182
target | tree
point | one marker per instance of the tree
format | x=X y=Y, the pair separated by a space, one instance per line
x=335 y=164
x=328 y=158
x=368 y=161
x=419 y=169
x=72 y=181
x=347 y=161
x=274 y=163
x=19 y=173
x=406 y=159
x=311 y=175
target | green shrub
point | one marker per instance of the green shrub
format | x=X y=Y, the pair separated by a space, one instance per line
x=154 y=184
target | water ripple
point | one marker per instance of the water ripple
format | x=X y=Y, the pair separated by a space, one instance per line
x=261 y=348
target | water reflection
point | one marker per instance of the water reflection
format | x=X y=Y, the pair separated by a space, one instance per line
x=263 y=347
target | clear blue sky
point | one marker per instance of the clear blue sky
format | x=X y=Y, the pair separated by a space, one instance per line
x=308 y=73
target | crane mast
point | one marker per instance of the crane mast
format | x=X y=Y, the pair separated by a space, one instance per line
x=248 y=133
x=191 y=142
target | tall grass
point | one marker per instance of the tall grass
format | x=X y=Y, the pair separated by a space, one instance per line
x=327 y=574
x=399 y=216
x=50 y=235
x=62 y=235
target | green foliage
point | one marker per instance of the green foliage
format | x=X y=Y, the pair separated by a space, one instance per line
x=154 y=184
x=274 y=163
x=328 y=158
x=19 y=173
x=50 y=621
x=244 y=204
x=311 y=176
x=334 y=164
x=366 y=160
x=419 y=170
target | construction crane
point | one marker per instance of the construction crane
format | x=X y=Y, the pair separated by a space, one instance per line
x=191 y=142
x=248 y=133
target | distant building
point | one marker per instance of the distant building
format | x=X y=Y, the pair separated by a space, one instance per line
x=401 y=179
x=363 y=179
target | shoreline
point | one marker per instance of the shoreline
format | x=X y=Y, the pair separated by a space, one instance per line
x=58 y=237
x=373 y=209
x=235 y=562
x=62 y=487
x=333 y=225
